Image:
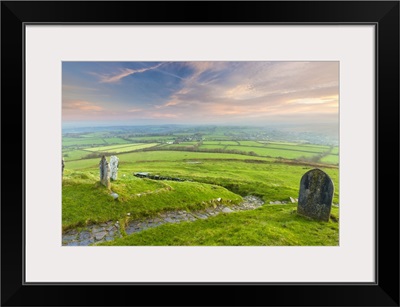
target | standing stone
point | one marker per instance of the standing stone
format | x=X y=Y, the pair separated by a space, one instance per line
x=62 y=172
x=315 y=196
x=113 y=167
x=104 y=172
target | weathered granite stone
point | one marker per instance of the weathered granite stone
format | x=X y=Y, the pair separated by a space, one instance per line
x=69 y=238
x=114 y=195
x=63 y=164
x=84 y=235
x=315 y=196
x=113 y=167
x=170 y=220
x=104 y=172
x=86 y=242
x=100 y=235
x=96 y=229
x=292 y=200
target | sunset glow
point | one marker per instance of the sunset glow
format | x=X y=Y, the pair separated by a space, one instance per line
x=259 y=93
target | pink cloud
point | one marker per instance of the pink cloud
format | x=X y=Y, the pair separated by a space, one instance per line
x=134 y=110
x=315 y=100
x=124 y=72
x=163 y=115
x=81 y=105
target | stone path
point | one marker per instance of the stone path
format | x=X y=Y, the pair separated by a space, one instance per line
x=111 y=230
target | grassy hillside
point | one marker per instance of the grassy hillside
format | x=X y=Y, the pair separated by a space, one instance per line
x=265 y=178
x=85 y=201
x=209 y=176
x=266 y=226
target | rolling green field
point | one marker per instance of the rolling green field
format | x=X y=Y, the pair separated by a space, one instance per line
x=69 y=155
x=108 y=148
x=151 y=138
x=121 y=148
x=314 y=149
x=87 y=202
x=179 y=146
x=265 y=226
x=272 y=152
x=90 y=140
x=335 y=151
x=153 y=156
x=216 y=169
x=213 y=146
x=331 y=159
x=82 y=141
x=222 y=143
x=244 y=176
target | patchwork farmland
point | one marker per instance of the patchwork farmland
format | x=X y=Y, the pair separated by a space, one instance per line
x=218 y=167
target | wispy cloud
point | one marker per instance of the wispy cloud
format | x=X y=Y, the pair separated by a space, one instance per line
x=81 y=105
x=201 y=91
x=163 y=115
x=266 y=88
x=315 y=100
x=134 y=110
x=124 y=72
x=68 y=87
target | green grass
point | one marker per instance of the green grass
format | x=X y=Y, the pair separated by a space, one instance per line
x=279 y=143
x=151 y=156
x=74 y=154
x=85 y=201
x=255 y=169
x=306 y=148
x=335 y=151
x=290 y=145
x=263 y=177
x=179 y=146
x=292 y=151
x=214 y=175
x=107 y=148
x=121 y=148
x=187 y=143
x=223 y=143
x=67 y=141
x=288 y=152
x=251 y=143
x=114 y=140
x=91 y=140
x=265 y=226
x=212 y=146
x=271 y=152
x=91 y=135
x=330 y=159
x=158 y=138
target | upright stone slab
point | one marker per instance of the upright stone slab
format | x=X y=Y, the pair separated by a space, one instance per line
x=113 y=167
x=62 y=172
x=104 y=172
x=315 y=196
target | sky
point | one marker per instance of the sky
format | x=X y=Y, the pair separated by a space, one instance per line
x=199 y=92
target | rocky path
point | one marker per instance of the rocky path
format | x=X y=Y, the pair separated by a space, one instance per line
x=111 y=230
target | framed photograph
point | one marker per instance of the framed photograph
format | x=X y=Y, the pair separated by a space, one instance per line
x=250 y=149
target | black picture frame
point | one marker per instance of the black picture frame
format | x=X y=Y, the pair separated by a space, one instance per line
x=383 y=14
